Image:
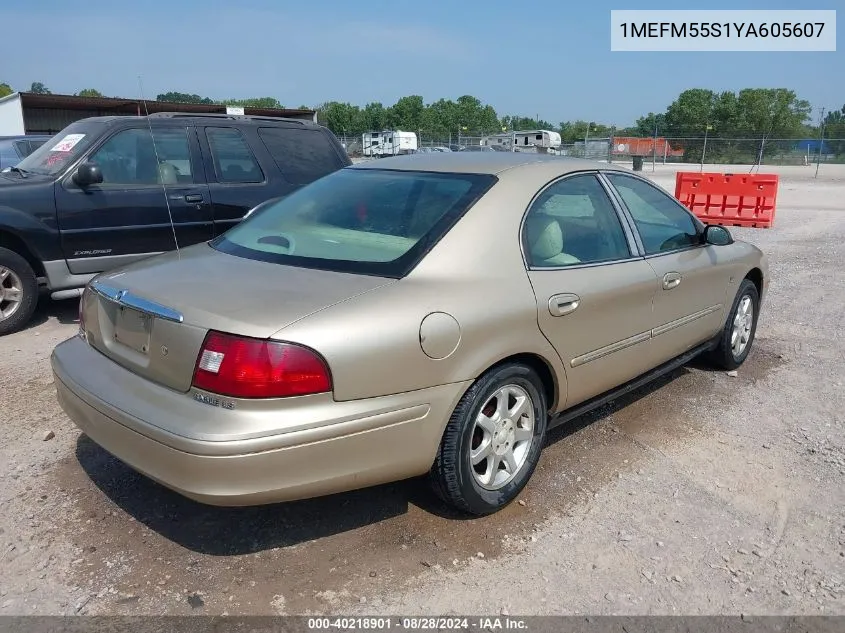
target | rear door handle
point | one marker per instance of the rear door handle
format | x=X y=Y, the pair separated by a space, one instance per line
x=193 y=197
x=671 y=280
x=563 y=304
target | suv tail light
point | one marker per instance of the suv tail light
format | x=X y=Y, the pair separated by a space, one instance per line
x=242 y=367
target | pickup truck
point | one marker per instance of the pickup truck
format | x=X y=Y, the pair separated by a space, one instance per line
x=107 y=191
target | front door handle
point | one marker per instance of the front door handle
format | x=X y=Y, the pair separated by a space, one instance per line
x=193 y=197
x=561 y=305
x=671 y=280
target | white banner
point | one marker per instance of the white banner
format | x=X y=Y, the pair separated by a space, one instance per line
x=723 y=30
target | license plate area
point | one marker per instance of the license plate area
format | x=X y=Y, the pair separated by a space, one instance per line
x=132 y=329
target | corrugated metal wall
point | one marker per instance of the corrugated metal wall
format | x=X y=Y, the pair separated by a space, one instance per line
x=52 y=121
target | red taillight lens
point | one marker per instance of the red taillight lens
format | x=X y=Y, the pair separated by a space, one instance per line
x=254 y=368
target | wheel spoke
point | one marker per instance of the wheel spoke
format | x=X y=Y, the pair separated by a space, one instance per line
x=4 y=273
x=482 y=452
x=13 y=295
x=510 y=461
x=486 y=423
x=522 y=434
x=522 y=407
x=489 y=475
x=502 y=403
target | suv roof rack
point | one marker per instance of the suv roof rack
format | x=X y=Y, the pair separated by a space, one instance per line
x=221 y=115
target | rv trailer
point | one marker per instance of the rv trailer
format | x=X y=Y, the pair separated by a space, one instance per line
x=389 y=143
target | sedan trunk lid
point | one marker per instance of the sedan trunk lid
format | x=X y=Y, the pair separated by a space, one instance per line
x=152 y=316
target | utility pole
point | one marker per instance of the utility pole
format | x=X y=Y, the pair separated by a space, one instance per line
x=586 y=137
x=821 y=143
x=654 y=146
x=704 y=149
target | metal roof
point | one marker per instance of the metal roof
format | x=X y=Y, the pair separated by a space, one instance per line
x=116 y=105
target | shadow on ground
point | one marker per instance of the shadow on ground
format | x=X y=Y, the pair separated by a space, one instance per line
x=230 y=531
x=65 y=312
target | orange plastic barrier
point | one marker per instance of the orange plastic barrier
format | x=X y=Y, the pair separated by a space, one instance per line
x=729 y=199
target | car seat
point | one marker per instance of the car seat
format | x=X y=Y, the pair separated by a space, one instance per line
x=544 y=242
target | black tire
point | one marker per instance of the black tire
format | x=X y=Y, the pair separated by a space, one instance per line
x=29 y=287
x=452 y=476
x=723 y=355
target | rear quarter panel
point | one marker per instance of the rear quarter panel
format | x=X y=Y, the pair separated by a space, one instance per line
x=475 y=274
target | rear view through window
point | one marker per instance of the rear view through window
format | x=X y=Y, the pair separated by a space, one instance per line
x=302 y=155
x=357 y=220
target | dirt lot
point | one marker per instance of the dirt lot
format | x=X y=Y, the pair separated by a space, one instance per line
x=703 y=494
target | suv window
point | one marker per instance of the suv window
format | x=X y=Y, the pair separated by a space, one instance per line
x=23 y=148
x=302 y=155
x=663 y=224
x=129 y=157
x=573 y=222
x=233 y=159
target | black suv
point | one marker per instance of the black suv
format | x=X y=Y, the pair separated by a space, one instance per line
x=102 y=193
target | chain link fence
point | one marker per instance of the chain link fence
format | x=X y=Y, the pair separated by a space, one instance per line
x=694 y=150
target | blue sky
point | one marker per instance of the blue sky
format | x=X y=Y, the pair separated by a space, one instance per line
x=535 y=57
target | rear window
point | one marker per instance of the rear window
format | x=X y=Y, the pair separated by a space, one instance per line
x=302 y=155
x=365 y=221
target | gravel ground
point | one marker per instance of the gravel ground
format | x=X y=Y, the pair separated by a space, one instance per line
x=701 y=494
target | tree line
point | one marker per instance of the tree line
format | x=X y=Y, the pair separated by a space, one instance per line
x=754 y=114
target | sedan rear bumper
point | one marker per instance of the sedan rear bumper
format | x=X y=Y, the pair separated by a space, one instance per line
x=351 y=454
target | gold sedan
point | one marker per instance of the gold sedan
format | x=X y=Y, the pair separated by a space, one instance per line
x=423 y=315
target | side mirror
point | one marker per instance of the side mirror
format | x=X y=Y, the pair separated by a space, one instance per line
x=87 y=174
x=717 y=235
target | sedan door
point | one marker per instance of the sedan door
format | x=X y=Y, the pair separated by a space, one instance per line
x=691 y=302
x=151 y=192
x=594 y=293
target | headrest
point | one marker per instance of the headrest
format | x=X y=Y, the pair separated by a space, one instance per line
x=544 y=237
x=168 y=174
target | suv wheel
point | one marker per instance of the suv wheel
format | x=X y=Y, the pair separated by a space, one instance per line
x=18 y=291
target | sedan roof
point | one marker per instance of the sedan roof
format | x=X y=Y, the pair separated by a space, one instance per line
x=478 y=162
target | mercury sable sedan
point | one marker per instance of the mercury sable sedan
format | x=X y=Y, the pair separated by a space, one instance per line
x=429 y=315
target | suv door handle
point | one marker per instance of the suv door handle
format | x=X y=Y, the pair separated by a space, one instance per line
x=193 y=197
x=563 y=304
x=671 y=280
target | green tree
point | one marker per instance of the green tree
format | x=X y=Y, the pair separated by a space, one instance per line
x=834 y=128
x=5 y=90
x=374 y=117
x=575 y=131
x=341 y=118
x=256 y=102
x=89 y=92
x=38 y=88
x=407 y=113
x=183 y=97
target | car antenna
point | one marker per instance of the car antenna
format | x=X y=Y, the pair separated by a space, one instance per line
x=158 y=167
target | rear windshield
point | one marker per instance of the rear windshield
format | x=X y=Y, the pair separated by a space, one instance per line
x=365 y=221
x=61 y=150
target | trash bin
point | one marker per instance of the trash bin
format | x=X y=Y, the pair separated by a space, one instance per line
x=638 y=163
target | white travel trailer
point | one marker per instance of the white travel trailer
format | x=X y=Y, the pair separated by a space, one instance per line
x=389 y=143
x=543 y=139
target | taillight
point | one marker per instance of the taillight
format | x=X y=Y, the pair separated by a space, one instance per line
x=242 y=367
